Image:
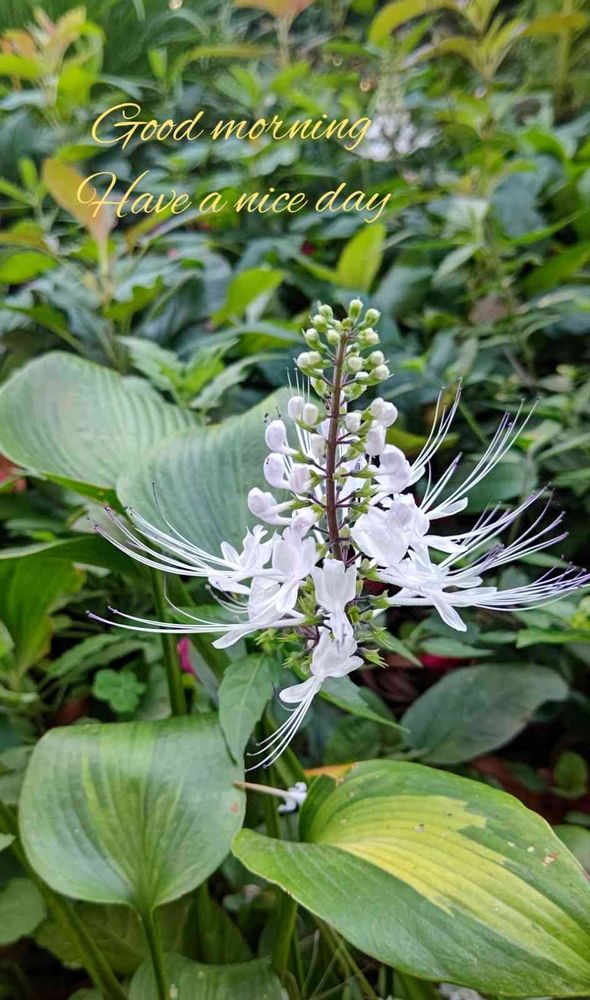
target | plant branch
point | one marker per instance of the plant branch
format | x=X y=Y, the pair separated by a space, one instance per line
x=332 y=444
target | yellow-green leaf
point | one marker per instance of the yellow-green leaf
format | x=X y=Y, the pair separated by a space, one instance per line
x=441 y=877
x=361 y=258
x=63 y=181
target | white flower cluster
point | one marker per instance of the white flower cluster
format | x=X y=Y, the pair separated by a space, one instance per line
x=342 y=514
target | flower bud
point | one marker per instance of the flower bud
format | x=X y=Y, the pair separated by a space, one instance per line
x=310 y=414
x=370 y=337
x=376 y=358
x=276 y=436
x=333 y=338
x=311 y=337
x=372 y=316
x=375 y=440
x=381 y=372
x=362 y=376
x=326 y=311
x=295 y=407
x=355 y=308
x=353 y=421
x=354 y=363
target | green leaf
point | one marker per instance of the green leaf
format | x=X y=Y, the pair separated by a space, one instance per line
x=570 y=775
x=63 y=182
x=6 y=840
x=359 y=701
x=361 y=258
x=176 y=809
x=245 y=689
x=191 y=472
x=30 y=589
x=245 y=981
x=393 y=15
x=23 y=266
x=554 y=24
x=577 y=840
x=21 y=909
x=119 y=688
x=473 y=710
x=247 y=290
x=70 y=419
x=88 y=549
x=21 y=67
x=442 y=877
x=117 y=932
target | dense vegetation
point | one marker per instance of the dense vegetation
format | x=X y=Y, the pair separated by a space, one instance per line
x=126 y=343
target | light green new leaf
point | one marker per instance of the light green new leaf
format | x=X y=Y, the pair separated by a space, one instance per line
x=246 y=289
x=6 y=840
x=361 y=258
x=30 y=588
x=476 y=709
x=69 y=419
x=199 y=482
x=23 y=266
x=21 y=909
x=441 y=877
x=393 y=15
x=193 y=981
x=246 y=687
x=137 y=813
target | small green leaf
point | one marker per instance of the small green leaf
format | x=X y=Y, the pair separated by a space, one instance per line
x=6 y=839
x=570 y=775
x=245 y=689
x=23 y=266
x=21 y=909
x=248 y=289
x=119 y=688
x=361 y=258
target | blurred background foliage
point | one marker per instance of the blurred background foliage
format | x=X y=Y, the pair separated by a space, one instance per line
x=480 y=266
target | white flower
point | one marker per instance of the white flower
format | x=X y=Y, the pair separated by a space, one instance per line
x=335 y=587
x=329 y=659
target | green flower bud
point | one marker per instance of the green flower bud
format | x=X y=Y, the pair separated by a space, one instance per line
x=376 y=358
x=311 y=337
x=354 y=363
x=355 y=308
x=333 y=338
x=381 y=372
x=372 y=316
x=326 y=311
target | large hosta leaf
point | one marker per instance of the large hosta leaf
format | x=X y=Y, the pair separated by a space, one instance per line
x=72 y=420
x=137 y=813
x=199 y=481
x=440 y=876
x=193 y=981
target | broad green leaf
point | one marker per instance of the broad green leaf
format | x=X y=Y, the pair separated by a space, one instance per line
x=176 y=809
x=70 y=419
x=85 y=549
x=30 y=589
x=441 y=877
x=23 y=266
x=361 y=258
x=182 y=481
x=244 y=981
x=21 y=909
x=363 y=702
x=245 y=689
x=63 y=183
x=473 y=710
x=21 y=67
x=554 y=24
x=117 y=932
x=244 y=291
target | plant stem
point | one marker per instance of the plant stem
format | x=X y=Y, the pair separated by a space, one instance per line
x=154 y=942
x=335 y=404
x=92 y=958
x=285 y=929
x=347 y=962
x=173 y=675
x=562 y=61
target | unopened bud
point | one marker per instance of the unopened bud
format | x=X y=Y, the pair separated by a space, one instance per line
x=276 y=436
x=362 y=376
x=295 y=407
x=353 y=421
x=326 y=311
x=310 y=414
x=377 y=358
x=311 y=337
x=333 y=338
x=381 y=372
x=370 y=337
x=372 y=316
x=354 y=363
x=355 y=308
